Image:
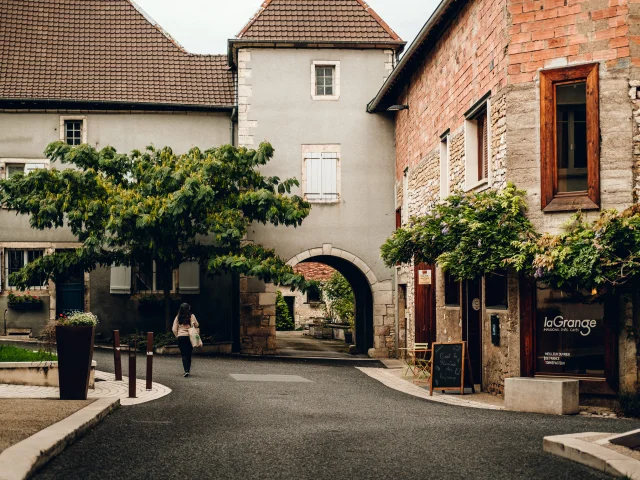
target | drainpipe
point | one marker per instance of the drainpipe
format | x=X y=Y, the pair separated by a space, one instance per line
x=5 y=322
x=232 y=125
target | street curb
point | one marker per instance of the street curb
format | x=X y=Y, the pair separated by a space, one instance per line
x=24 y=459
x=572 y=447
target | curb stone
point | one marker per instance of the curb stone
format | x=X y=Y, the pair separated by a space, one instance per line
x=572 y=447
x=24 y=459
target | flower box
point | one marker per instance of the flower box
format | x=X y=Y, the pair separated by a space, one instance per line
x=25 y=305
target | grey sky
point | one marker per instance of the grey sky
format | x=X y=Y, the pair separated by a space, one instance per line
x=203 y=26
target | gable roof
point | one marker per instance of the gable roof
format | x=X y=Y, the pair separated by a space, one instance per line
x=102 y=51
x=318 y=20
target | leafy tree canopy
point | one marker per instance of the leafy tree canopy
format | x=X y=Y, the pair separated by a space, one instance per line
x=157 y=206
x=467 y=234
x=340 y=299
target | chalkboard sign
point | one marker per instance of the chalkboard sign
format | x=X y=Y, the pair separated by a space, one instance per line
x=448 y=363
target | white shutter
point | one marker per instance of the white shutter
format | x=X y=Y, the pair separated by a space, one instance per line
x=189 y=278
x=30 y=167
x=329 y=176
x=314 y=176
x=2 y=265
x=120 y=280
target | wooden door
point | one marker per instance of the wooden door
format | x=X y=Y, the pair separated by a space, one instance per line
x=425 y=303
x=472 y=325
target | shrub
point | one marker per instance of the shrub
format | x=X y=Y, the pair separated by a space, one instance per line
x=87 y=319
x=341 y=306
x=284 y=321
x=629 y=403
x=26 y=298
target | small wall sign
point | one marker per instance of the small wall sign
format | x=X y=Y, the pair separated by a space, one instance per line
x=424 y=277
x=476 y=304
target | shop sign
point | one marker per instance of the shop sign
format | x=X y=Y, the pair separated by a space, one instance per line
x=424 y=277
x=560 y=324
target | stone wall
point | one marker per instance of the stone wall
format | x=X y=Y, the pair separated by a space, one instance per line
x=257 y=318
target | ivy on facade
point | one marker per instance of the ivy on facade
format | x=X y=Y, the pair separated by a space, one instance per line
x=472 y=234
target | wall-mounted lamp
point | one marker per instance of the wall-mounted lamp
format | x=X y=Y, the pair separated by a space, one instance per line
x=397 y=108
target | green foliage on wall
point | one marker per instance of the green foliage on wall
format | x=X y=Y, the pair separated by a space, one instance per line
x=284 y=320
x=467 y=234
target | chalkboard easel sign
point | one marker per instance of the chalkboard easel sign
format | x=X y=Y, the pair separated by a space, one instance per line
x=448 y=364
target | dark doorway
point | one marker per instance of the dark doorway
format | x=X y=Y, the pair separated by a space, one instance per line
x=291 y=301
x=363 y=334
x=472 y=325
x=70 y=295
x=425 y=303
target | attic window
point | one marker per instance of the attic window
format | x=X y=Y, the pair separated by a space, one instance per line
x=325 y=78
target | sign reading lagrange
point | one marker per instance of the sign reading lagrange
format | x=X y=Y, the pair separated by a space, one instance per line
x=561 y=324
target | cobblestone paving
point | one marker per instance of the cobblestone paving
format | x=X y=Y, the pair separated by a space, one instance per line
x=106 y=387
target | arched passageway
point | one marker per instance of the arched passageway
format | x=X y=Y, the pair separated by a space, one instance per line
x=363 y=298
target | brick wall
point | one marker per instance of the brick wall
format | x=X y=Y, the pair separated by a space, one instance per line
x=468 y=60
x=554 y=33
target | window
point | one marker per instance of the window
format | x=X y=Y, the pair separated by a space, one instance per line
x=314 y=295
x=444 y=166
x=16 y=259
x=321 y=173
x=570 y=335
x=147 y=279
x=325 y=80
x=451 y=291
x=570 y=137
x=477 y=132
x=73 y=129
x=73 y=132
x=24 y=168
x=496 y=290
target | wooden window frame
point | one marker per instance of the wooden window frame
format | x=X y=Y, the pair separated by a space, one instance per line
x=551 y=200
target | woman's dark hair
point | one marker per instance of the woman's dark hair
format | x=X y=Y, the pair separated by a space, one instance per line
x=184 y=314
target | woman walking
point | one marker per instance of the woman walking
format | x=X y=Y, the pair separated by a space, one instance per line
x=183 y=321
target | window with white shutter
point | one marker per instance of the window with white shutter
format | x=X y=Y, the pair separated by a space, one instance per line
x=120 y=280
x=189 y=278
x=322 y=177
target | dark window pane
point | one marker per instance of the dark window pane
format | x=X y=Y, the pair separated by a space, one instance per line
x=328 y=90
x=571 y=137
x=314 y=295
x=570 y=335
x=496 y=290
x=15 y=260
x=451 y=291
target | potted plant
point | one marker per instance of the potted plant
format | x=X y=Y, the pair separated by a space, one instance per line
x=75 y=334
x=24 y=302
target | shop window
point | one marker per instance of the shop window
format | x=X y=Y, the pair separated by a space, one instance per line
x=570 y=335
x=451 y=291
x=496 y=290
x=570 y=138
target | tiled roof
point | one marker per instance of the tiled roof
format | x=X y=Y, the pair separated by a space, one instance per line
x=318 y=20
x=102 y=51
x=314 y=271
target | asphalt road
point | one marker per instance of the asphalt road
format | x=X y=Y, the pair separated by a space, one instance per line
x=341 y=425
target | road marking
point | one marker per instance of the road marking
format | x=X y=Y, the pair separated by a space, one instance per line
x=241 y=377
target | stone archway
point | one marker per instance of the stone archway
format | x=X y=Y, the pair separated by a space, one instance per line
x=376 y=313
x=375 y=310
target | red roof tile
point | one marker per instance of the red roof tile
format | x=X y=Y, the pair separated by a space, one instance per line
x=314 y=271
x=103 y=51
x=318 y=20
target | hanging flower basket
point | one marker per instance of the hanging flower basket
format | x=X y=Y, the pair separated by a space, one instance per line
x=24 y=302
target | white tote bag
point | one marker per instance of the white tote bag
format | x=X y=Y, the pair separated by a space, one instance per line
x=194 y=336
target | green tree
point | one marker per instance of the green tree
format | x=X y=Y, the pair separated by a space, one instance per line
x=284 y=320
x=341 y=301
x=128 y=209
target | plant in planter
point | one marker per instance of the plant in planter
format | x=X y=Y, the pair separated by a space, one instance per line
x=24 y=302
x=75 y=334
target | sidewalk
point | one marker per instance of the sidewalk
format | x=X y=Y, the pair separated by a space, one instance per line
x=106 y=387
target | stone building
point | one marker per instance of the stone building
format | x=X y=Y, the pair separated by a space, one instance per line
x=299 y=75
x=471 y=96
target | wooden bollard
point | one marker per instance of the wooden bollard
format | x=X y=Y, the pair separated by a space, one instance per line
x=132 y=369
x=149 y=360
x=117 y=359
